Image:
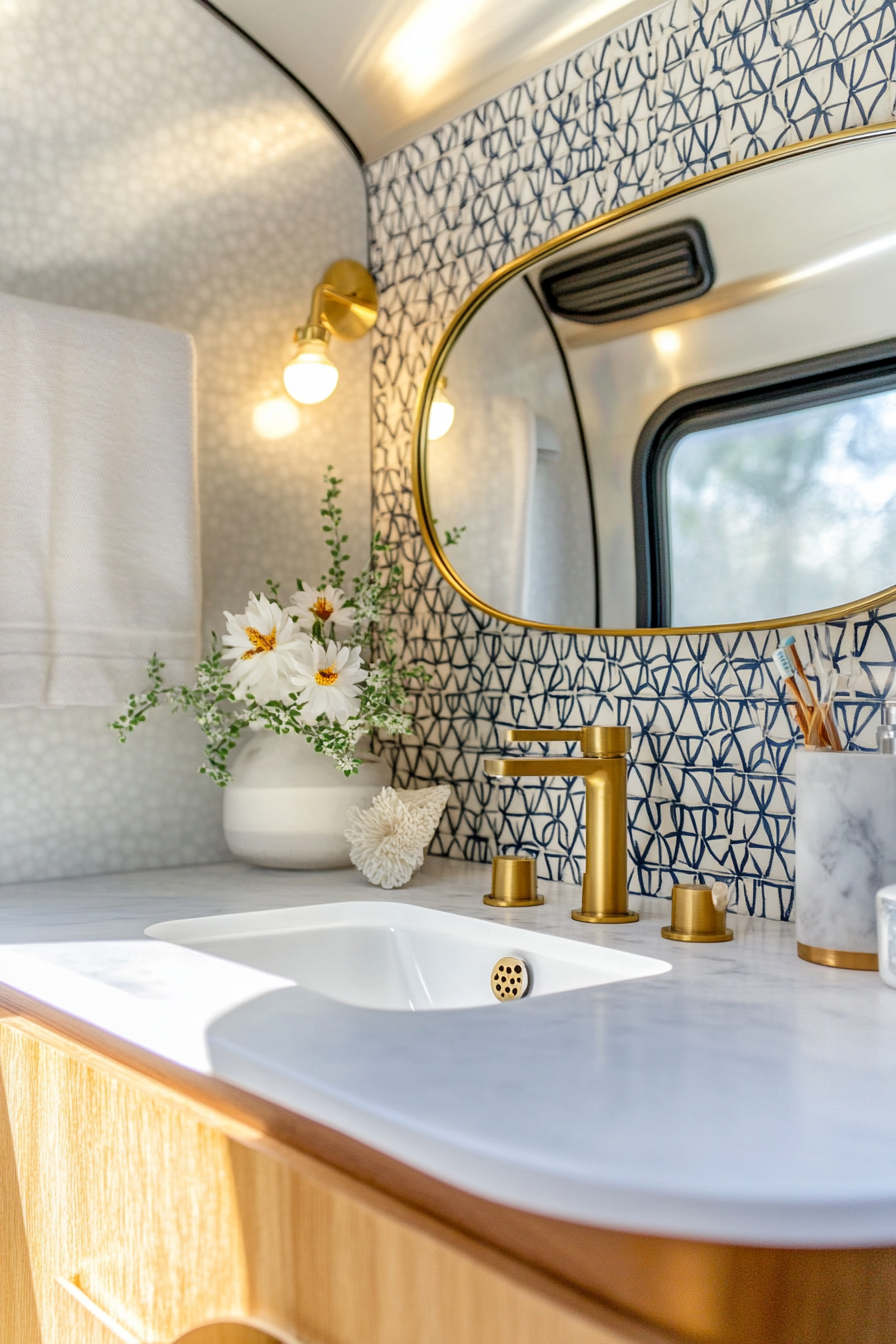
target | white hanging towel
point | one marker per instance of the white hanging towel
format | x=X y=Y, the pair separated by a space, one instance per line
x=99 y=529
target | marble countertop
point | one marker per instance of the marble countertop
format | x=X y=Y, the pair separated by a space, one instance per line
x=743 y=1096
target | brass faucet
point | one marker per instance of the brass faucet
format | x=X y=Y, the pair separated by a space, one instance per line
x=603 y=767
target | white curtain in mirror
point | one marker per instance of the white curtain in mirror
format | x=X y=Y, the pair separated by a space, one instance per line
x=514 y=449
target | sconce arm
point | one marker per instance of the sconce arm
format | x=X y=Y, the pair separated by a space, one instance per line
x=323 y=294
x=345 y=302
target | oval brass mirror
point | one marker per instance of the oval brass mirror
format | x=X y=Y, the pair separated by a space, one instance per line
x=681 y=415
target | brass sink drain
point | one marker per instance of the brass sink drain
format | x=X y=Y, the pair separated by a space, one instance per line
x=510 y=978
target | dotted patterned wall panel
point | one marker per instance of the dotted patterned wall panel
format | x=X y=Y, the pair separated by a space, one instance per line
x=154 y=164
x=687 y=88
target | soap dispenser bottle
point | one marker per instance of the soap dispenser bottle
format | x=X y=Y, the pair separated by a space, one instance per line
x=886 y=733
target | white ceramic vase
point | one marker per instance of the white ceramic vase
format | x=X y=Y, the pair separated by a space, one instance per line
x=286 y=804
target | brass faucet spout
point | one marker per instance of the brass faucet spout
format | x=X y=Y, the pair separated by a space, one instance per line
x=604 y=770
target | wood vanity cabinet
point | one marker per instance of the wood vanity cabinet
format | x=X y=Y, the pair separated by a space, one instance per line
x=138 y=1202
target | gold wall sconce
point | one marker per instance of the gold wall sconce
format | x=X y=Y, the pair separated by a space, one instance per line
x=344 y=304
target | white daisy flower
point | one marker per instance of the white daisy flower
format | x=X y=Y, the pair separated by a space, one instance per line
x=328 y=677
x=326 y=605
x=265 y=645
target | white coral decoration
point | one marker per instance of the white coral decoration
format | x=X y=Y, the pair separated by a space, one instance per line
x=388 y=839
x=265 y=645
x=327 y=605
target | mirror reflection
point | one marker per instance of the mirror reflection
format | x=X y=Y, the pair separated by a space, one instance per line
x=806 y=504
x=508 y=479
x=687 y=417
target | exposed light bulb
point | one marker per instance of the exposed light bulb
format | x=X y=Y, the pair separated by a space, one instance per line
x=441 y=413
x=312 y=375
x=276 y=418
x=667 y=341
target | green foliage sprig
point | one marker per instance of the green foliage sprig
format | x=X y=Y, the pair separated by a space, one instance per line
x=334 y=538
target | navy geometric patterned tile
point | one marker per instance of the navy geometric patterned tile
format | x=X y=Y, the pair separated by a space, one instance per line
x=689 y=87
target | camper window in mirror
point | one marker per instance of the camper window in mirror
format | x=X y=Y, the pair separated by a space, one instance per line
x=786 y=502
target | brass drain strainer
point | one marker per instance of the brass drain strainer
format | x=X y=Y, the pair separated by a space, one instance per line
x=510 y=978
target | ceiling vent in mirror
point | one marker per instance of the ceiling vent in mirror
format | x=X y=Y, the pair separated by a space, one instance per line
x=635 y=276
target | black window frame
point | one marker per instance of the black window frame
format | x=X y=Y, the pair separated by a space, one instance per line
x=822 y=380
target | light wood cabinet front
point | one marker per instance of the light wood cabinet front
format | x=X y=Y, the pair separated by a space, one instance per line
x=162 y=1216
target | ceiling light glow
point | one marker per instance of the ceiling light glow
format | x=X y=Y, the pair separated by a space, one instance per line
x=426 y=47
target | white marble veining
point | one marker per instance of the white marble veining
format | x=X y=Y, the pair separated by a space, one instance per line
x=745 y=1095
x=845 y=846
x=886 y=934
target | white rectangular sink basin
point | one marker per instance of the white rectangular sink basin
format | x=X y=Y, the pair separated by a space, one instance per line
x=389 y=955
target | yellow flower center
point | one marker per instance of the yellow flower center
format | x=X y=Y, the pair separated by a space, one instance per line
x=326 y=676
x=322 y=609
x=260 y=643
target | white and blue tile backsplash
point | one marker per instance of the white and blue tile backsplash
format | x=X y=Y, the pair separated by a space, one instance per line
x=685 y=89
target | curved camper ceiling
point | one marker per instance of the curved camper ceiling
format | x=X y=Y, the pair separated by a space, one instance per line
x=391 y=70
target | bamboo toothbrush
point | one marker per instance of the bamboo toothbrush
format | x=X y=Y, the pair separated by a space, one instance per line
x=787 y=672
x=823 y=711
x=827 y=709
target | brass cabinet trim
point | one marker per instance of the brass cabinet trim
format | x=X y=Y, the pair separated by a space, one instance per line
x=507 y=272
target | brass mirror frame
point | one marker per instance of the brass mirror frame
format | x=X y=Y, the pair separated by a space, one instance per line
x=500 y=277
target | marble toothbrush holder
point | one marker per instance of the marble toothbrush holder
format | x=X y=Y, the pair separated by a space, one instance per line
x=845 y=851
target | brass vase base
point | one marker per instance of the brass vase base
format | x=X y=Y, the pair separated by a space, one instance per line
x=512 y=905
x=630 y=917
x=669 y=932
x=844 y=961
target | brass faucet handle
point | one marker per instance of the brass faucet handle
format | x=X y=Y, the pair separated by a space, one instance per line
x=596 y=739
x=543 y=735
x=539 y=767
